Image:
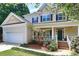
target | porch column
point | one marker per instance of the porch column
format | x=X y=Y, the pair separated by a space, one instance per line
x=78 y=30
x=52 y=32
x=54 y=16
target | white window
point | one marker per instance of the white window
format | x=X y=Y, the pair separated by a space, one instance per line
x=60 y=17
x=35 y=20
x=46 y=18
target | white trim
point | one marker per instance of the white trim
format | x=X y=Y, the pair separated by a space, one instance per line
x=10 y=16
x=14 y=25
x=53 y=33
x=56 y=24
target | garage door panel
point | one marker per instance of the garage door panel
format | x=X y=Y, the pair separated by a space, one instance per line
x=15 y=37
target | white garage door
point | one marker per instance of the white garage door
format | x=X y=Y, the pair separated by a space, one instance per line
x=15 y=37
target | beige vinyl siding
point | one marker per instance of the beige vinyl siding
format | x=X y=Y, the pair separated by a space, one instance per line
x=71 y=31
x=12 y=19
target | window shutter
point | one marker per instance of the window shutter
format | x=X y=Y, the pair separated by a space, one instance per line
x=67 y=18
x=32 y=20
x=37 y=19
x=41 y=18
x=51 y=16
x=56 y=17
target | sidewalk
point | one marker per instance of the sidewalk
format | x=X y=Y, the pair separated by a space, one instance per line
x=60 y=52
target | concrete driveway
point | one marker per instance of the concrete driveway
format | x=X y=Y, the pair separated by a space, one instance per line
x=5 y=46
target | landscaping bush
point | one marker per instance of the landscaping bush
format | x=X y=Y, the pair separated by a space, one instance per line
x=75 y=44
x=53 y=46
x=45 y=42
x=33 y=42
x=23 y=45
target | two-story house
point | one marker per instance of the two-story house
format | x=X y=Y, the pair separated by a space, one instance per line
x=47 y=23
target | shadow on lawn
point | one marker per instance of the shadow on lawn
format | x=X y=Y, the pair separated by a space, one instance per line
x=32 y=52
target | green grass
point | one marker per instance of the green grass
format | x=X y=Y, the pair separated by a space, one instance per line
x=20 y=52
x=74 y=53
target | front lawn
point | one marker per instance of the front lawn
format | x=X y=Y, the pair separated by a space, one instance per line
x=20 y=52
x=74 y=53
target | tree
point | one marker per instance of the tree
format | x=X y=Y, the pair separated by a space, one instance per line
x=70 y=9
x=37 y=5
x=5 y=9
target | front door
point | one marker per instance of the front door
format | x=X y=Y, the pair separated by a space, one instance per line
x=59 y=34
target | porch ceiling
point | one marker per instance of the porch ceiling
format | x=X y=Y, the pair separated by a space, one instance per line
x=56 y=24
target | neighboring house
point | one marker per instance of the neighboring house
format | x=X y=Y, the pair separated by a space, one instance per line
x=47 y=19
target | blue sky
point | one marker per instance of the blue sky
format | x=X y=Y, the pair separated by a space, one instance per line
x=31 y=7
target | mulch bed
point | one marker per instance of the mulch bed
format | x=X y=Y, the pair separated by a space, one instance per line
x=37 y=46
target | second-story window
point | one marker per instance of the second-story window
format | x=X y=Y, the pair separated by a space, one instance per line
x=35 y=20
x=60 y=17
x=46 y=18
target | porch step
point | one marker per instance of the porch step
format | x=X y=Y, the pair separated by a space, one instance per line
x=63 y=45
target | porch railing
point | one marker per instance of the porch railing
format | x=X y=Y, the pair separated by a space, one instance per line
x=69 y=41
x=43 y=38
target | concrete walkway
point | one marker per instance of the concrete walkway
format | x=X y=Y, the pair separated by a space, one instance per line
x=6 y=46
x=60 y=52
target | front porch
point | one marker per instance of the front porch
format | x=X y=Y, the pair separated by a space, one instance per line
x=60 y=34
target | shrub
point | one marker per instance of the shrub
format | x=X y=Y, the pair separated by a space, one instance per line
x=75 y=44
x=24 y=45
x=53 y=45
x=45 y=42
x=33 y=42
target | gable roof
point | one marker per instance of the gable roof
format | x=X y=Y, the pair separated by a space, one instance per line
x=50 y=6
x=12 y=14
x=42 y=6
x=39 y=8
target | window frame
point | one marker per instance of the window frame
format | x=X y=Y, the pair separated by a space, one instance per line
x=47 y=18
x=60 y=15
x=34 y=20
